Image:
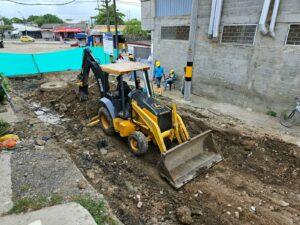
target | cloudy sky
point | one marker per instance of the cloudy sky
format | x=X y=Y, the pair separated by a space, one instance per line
x=79 y=10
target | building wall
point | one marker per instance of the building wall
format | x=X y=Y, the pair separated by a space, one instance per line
x=264 y=76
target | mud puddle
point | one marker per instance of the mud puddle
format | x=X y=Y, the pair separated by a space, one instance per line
x=257 y=183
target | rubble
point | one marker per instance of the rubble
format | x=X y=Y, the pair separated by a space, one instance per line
x=184 y=215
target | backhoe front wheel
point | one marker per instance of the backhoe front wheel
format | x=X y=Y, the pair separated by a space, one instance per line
x=138 y=143
x=106 y=121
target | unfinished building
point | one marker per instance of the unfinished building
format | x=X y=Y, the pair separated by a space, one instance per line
x=247 y=51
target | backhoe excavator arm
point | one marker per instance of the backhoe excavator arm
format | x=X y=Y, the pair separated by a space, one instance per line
x=90 y=63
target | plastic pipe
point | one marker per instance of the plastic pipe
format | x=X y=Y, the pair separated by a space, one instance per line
x=212 y=18
x=217 y=19
x=274 y=18
x=263 y=18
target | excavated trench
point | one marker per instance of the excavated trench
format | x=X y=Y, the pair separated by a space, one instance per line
x=256 y=183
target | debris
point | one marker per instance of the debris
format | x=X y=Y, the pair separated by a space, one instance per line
x=8 y=144
x=81 y=184
x=39 y=112
x=272 y=208
x=253 y=209
x=102 y=144
x=240 y=209
x=282 y=203
x=62 y=108
x=39 y=148
x=9 y=136
x=130 y=187
x=228 y=213
x=103 y=151
x=184 y=215
x=237 y=214
x=90 y=174
x=139 y=205
x=40 y=142
x=249 y=109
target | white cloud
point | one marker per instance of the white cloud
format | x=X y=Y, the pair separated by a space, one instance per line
x=78 y=11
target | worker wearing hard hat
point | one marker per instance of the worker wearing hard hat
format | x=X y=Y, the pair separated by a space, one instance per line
x=170 y=79
x=131 y=59
x=158 y=73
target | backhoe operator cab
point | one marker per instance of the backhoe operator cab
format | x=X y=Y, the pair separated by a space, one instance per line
x=134 y=113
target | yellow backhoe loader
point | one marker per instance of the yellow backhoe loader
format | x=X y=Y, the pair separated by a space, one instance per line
x=134 y=113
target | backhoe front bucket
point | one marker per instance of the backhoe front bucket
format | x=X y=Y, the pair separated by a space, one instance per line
x=184 y=162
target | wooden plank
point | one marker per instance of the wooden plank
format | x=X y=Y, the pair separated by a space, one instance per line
x=124 y=67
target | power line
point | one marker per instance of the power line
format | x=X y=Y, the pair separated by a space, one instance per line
x=39 y=4
x=64 y=3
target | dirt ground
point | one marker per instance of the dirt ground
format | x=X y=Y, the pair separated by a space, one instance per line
x=37 y=47
x=258 y=182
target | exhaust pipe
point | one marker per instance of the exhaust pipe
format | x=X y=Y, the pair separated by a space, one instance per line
x=274 y=17
x=263 y=18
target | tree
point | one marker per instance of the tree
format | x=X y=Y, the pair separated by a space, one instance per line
x=47 y=18
x=16 y=20
x=101 y=18
x=6 y=21
x=133 y=30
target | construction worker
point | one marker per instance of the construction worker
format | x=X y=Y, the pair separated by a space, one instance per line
x=131 y=59
x=170 y=79
x=158 y=73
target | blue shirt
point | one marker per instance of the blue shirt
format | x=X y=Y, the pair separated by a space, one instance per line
x=158 y=72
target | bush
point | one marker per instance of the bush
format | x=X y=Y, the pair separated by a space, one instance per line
x=5 y=84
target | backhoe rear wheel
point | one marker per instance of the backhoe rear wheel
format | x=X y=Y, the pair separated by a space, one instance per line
x=138 y=143
x=106 y=121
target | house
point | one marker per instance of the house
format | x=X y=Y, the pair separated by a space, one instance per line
x=26 y=29
x=140 y=49
x=98 y=31
x=68 y=31
x=241 y=60
x=47 y=30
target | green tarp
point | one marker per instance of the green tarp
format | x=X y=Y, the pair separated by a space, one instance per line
x=16 y=65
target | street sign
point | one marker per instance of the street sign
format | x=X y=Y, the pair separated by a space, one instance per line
x=108 y=43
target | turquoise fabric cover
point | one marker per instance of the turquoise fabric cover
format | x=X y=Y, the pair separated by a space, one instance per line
x=17 y=65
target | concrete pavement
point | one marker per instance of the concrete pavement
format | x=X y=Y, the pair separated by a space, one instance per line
x=67 y=214
x=5 y=183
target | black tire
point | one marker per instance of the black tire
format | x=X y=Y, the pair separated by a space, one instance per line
x=288 y=118
x=106 y=121
x=138 y=143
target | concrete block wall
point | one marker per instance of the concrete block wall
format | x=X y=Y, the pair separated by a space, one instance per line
x=265 y=76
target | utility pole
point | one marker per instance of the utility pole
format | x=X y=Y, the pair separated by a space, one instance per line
x=191 y=51
x=116 y=28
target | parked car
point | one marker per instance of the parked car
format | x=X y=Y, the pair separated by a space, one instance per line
x=26 y=38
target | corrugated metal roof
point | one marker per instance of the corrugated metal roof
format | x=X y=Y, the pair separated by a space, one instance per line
x=173 y=7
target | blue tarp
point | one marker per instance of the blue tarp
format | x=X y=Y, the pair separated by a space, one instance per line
x=16 y=65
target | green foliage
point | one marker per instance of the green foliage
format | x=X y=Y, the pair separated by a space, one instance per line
x=101 y=18
x=272 y=113
x=6 y=21
x=47 y=18
x=4 y=83
x=32 y=204
x=4 y=127
x=95 y=208
x=6 y=27
x=16 y=20
x=133 y=30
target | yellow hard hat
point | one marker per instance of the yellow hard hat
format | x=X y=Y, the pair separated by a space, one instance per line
x=172 y=71
x=157 y=63
x=130 y=56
